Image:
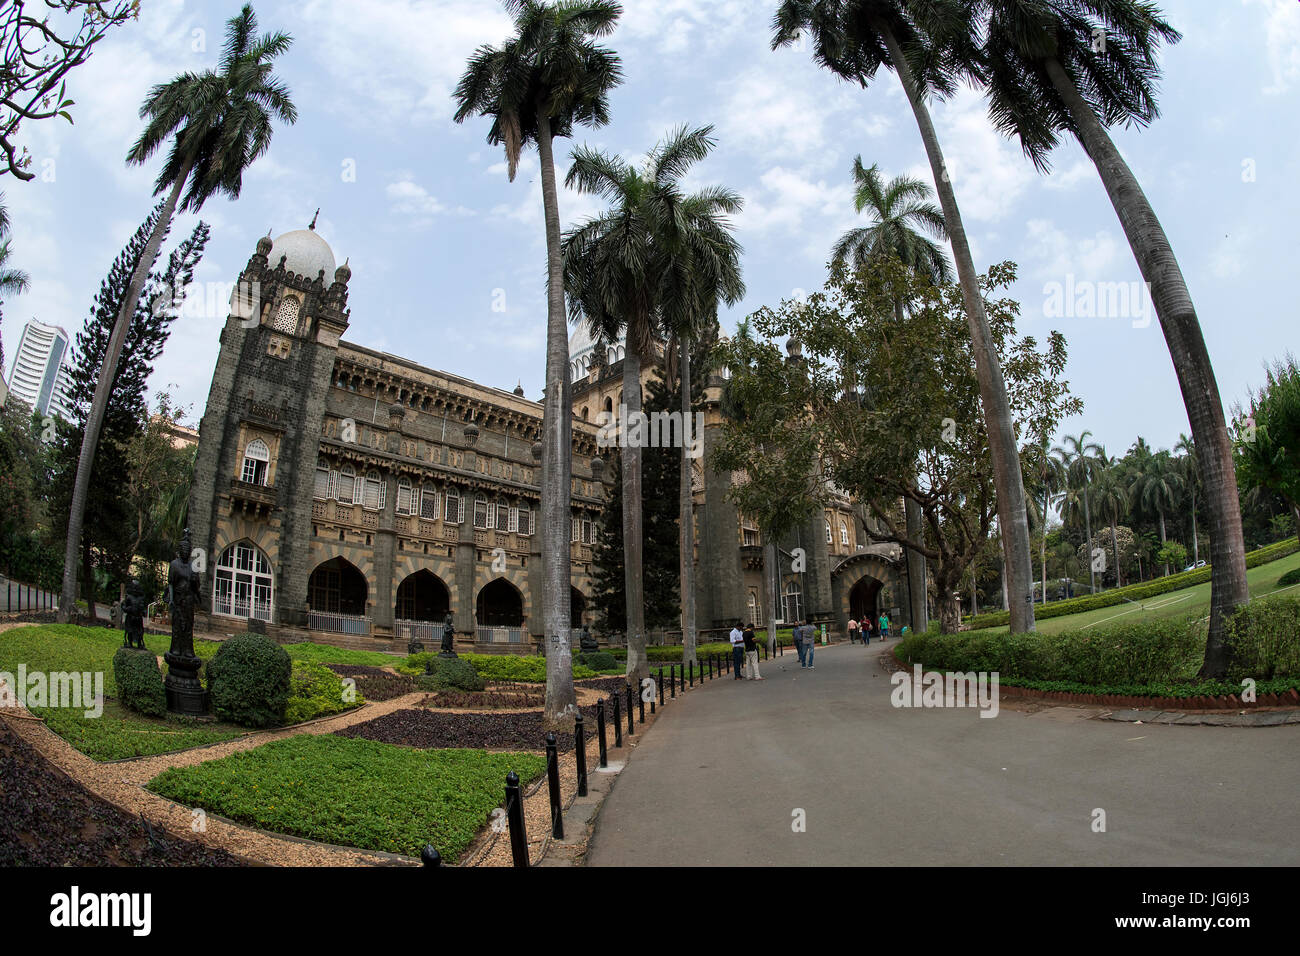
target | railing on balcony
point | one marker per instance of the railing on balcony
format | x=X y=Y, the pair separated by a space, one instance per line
x=427 y=631
x=338 y=623
x=500 y=635
x=238 y=605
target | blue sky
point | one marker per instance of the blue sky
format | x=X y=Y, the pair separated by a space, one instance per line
x=436 y=234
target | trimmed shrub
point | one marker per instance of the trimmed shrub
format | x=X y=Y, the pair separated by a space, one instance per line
x=1133 y=592
x=598 y=660
x=1264 y=639
x=139 y=682
x=249 y=681
x=1292 y=577
x=452 y=672
x=315 y=691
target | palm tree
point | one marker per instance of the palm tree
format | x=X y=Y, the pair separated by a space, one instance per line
x=704 y=268
x=622 y=272
x=1078 y=459
x=218 y=124
x=545 y=79
x=1080 y=66
x=1049 y=475
x=853 y=39
x=1189 y=471
x=12 y=281
x=902 y=215
x=1111 y=496
x=1156 y=487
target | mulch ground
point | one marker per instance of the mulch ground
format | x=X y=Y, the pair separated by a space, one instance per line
x=376 y=683
x=48 y=819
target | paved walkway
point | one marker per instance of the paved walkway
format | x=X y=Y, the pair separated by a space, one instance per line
x=719 y=782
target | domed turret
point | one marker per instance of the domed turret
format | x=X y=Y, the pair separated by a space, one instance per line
x=304 y=251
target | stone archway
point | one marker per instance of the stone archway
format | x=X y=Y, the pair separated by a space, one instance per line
x=336 y=586
x=860 y=583
x=422 y=596
x=499 y=604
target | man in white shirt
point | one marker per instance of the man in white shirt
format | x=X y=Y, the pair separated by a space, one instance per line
x=738 y=651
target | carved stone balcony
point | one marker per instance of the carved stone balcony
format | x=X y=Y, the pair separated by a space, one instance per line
x=255 y=501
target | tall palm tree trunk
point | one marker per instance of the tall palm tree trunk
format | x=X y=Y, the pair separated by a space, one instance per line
x=686 y=517
x=1182 y=331
x=1196 y=550
x=104 y=389
x=1087 y=530
x=1043 y=552
x=1162 y=539
x=557 y=466
x=1114 y=547
x=1013 y=519
x=638 y=667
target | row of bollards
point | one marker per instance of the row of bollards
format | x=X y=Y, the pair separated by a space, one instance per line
x=716 y=665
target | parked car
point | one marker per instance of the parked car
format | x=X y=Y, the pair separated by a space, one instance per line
x=1193 y=567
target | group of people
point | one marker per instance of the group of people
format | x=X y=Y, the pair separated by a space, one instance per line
x=867 y=629
x=744 y=651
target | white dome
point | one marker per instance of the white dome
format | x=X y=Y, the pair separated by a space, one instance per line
x=582 y=350
x=305 y=252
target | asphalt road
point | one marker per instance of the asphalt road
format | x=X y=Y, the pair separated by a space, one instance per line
x=723 y=778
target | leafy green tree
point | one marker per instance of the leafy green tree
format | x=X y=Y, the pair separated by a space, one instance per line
x=1079 y=461
x=907 y=391
x=1046 y=478
x=854 y=39
x=159 y=473
x=1156 y=485
x=218 y=124
x=1189 y=473
x=1079 y=67
x=1111 y=496
x=1268 y=437
x=547 y=78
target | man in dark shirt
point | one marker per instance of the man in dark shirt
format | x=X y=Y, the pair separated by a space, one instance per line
x=751 y=654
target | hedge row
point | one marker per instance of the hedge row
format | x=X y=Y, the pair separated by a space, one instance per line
x=1133 y=592
x=1161 y=654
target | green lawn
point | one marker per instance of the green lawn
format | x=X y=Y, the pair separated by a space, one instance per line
x=1263 y=580
x=354 y=792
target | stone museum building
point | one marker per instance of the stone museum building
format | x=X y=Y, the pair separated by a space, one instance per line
x=341 y=489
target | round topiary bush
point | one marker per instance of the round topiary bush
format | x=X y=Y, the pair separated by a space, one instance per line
x=1290 y=578
x=315 y=691
x=139 y=682
x=249 y=681
x=598 y=660
x=448 y=672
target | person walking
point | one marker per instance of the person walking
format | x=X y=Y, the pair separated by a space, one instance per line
x=738 y=651
x=853 y=631
x=884 y=626
x=796 y=636
x=809 y=643
x=751 y=655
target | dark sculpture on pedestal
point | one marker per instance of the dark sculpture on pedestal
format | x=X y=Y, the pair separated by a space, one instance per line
x=185 y=693
x=448 y=638
x=586 y=642
x=133 y=609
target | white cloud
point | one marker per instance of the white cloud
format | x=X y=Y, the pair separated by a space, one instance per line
x=1282 y=29
x=410 y=199
x=988 y=173
x=1054 y=253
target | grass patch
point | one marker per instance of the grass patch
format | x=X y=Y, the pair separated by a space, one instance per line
x=354 y=792
x=325 y=654
x=118 y=734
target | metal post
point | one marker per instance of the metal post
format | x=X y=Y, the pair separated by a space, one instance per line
x=429 y=856
x=661 y=687
x=618 y=723
x=631 y=727
x=515 y=820
x=553 y=785
x=710 y=667
x=580 y=753
x=672 y=680
x=690 y=674
x=640 y=706
x=600 y=728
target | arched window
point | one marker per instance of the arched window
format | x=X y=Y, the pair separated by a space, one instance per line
x=256 y=456
x=829 y=537
x=609 y=405
x=452 y=512
x=584 y=418
x=243 y=586
x=346 y=485
x=503 y=516
x=373 y=492
x=428 y=502
x=753 y=610
x=405 y=500
x=844 y=532
x=286 y=317
x=322 y=486
x=481 y=518
x=524 y=521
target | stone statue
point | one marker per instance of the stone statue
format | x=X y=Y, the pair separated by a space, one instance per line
x=133 y=610
x=448 y=638
x=586 y=642
x=185 y=693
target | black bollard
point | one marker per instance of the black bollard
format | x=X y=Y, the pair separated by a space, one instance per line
x=515 y=820
x=429 y=856
x=600 y=728
x=710 y=667
x=640 y=705
x=580 y=753
x=618 y=722
x=553 y=785
x=672 y=681
x=661 y=687
x=631 y=727
x=690 y=674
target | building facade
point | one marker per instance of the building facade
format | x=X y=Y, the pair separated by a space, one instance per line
x=40 y=376
x=342 y=489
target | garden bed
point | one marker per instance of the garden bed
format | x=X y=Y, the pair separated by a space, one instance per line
x=425 y=729
x=375 y=683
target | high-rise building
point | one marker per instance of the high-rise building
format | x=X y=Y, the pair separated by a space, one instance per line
x=39 y=376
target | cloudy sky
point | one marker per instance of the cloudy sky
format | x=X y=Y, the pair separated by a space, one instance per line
x=436 y=234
